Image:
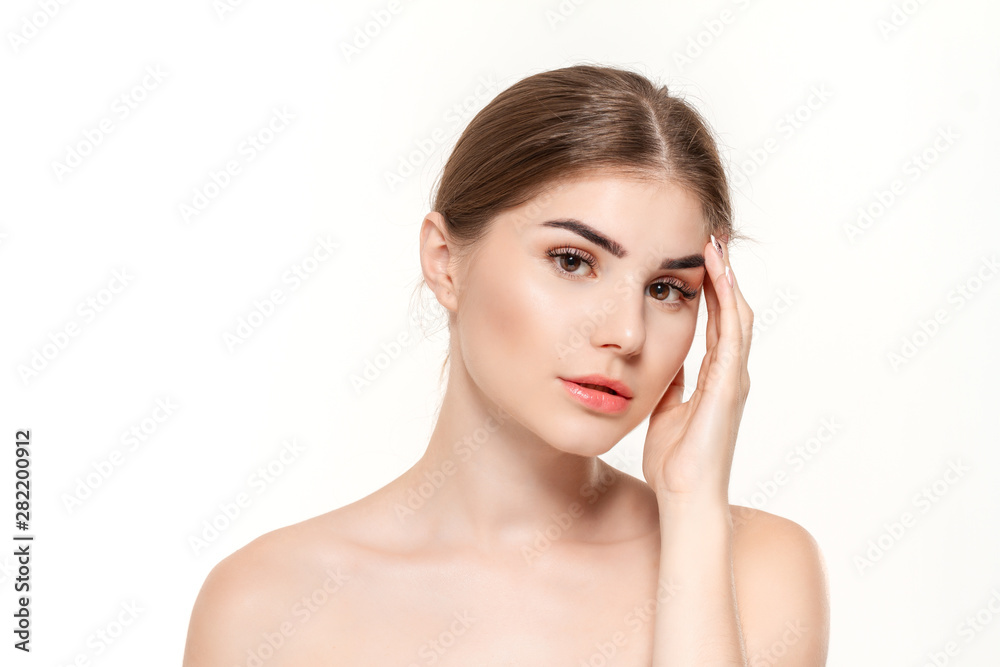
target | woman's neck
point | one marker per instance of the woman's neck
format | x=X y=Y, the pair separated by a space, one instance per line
x=486 y=481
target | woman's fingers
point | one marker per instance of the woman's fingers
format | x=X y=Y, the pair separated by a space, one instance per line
x=728 y=358
x=711 y=304
x=746 y=320
x=712 y=323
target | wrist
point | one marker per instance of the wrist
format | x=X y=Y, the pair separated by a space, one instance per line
x=702 y=511
x=705 y=500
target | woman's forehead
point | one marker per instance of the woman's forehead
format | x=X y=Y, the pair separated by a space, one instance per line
x=612 y=208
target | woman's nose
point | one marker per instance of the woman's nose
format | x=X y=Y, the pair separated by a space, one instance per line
x=620 y=320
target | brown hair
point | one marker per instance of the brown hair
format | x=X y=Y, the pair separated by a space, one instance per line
x=563 y=123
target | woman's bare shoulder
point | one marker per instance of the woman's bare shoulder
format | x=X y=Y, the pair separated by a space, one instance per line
x=764 y=542
x=782 y=588
x=270 y=586
x=757 y=534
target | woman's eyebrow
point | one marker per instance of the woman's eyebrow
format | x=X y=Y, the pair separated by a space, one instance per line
x=616 y=249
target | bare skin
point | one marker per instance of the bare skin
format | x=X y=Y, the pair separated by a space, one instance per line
x=509 y=542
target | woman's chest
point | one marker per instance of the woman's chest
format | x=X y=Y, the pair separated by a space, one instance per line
x=608 y=624
x=582 y=613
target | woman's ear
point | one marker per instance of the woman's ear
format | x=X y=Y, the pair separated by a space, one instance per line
x=437 y=260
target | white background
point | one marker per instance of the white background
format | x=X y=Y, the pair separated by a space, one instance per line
x=846 y=302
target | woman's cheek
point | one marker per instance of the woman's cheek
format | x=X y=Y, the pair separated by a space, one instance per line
x=489 y=319
x=503 y=319
x=559 y=310
x=669 y=341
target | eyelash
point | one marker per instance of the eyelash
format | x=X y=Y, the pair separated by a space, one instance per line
x=683 y=288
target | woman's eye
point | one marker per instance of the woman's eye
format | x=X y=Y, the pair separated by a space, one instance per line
x=572 y=263
x=660 y=292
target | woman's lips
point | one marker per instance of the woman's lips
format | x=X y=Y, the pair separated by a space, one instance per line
x=602 y=383
x=595 y=398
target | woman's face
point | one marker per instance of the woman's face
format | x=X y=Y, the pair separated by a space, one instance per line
x=572 y=283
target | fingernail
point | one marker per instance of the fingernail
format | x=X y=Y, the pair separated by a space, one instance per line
x=718 y=246
x=729 y=276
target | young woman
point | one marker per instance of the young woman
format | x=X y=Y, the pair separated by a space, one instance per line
x=578 y=220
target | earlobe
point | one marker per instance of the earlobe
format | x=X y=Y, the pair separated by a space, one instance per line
x=436 y=260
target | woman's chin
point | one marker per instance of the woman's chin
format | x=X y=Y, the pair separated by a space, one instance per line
x=582 y=446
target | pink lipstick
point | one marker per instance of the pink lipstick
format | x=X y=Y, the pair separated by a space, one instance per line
x=599 y=392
